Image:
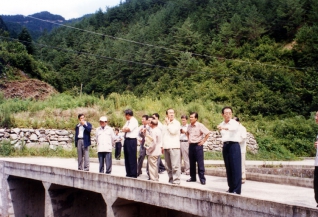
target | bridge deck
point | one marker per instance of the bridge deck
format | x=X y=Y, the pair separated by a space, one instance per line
x=284 y=194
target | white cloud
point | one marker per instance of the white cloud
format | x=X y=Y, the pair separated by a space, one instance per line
x=66 y=8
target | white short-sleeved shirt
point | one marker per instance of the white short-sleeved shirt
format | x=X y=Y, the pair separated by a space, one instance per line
x=132 y=124
x=233 y=132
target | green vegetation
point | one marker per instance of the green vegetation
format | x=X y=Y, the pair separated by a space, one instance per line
x=278 y=138
x=259 y=56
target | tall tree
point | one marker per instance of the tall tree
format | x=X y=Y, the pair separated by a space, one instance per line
x=25 y=38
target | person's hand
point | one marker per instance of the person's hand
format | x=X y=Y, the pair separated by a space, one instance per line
x=219 y=127
x=167 y=120
x=82 y=122
x=201 y=143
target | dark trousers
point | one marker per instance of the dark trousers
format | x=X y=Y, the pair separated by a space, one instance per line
x=142 y=155
x=130 y=152
x=196 y=156
x=105 y=158
x=316 y=184
x=160 y=165
x=117 y=150
x=233 y=166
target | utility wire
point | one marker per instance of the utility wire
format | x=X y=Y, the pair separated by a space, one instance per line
x=170 y=49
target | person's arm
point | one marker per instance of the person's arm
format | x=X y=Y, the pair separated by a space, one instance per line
x=173 y=128
x=88 y=127
x=204 y=139
x=205 y=131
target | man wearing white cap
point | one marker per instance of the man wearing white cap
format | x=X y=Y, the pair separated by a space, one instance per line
x=105 y=139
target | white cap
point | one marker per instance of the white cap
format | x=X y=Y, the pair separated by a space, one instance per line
x=103 y=118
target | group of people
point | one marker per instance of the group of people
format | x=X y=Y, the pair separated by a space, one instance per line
x=177 y=142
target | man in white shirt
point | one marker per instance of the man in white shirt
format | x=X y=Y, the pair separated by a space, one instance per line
x=105 y=138
x=243 y=136
x=171 y=147
x=184 y=144
x=229 y=129
x=130 y=144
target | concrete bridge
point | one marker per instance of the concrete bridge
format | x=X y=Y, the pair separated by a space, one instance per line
x=53 y=187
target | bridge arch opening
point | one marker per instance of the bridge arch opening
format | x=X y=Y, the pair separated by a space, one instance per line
x=27 y=196
x=123 y=208
x=67 y=201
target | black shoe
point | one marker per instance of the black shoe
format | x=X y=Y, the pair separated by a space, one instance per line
x=191 y=180
x=203 y=182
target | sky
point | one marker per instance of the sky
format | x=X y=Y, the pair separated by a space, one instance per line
x=66 y=8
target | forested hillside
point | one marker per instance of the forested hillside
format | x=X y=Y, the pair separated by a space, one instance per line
x=258 y=55
x=15 y=23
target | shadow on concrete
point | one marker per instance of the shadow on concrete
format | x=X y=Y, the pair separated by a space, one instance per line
x=27 y=196
x=68 y=201
x=124 y=208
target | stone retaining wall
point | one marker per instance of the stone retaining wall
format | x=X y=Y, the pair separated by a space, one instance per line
x=65 y=138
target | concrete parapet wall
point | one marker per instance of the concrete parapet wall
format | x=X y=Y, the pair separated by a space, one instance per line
x=119 y=192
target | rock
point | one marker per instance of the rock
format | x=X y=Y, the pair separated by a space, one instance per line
x=61 y=139
x=6 y=135
x=37 y=132
x=16 y=130
x=62 y=132
x=52 y=132
x=52 y=147
x=54 y=138
x=62 y=143
x=34 y=137
x=17 y=145
x=13 y=142
x=13 y=136
x=2 y=131
x=43 y=139
x=54 y=143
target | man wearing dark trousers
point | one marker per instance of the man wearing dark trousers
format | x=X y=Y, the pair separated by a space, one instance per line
x=316 y=165
x=105 y=139
x=230 y=132
x=197 y=135
x=82 y=142
x=130 y=144
x=118 y=145
x=142 y=151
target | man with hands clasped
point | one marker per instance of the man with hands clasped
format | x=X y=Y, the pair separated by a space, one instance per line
x=197 y=136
